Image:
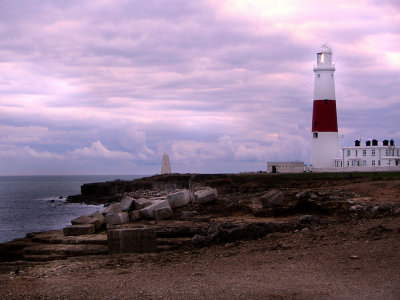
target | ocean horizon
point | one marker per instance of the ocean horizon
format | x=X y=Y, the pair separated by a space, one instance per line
x=31 y=203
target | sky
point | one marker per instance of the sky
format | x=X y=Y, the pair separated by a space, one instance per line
x=108 y=86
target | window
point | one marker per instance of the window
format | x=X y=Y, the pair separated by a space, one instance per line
x=358 y=163
x=373 y=163
x=387 y=152
x=318 y=75
x=398 y=153
x=389 y=162
x=373 y=152
x=364 y=152
x=348 y=152
x=379 y=162
x=356 y=153
x=348 y=163
x=315 y=135
x=352 y=162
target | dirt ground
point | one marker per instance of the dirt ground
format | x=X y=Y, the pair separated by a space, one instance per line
x=345 y=260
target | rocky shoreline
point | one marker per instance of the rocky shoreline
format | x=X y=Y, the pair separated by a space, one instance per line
x=192 y=210
x=302 y=236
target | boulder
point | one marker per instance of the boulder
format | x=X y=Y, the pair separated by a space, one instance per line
x=134 y=215
x=163 y=213
x=81 y=229
x=88 y=219
x=205 y=195
x=112 y=209
x=149 y=211
x=179 y=199
x=98 y=215
x=117 y=219
x=273 y=198
x=141 y=203
x=125 y=240
x=127 y=204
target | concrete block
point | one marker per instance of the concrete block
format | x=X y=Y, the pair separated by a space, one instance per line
x=205 y=195
x=88 y=219
x=149 y=211
x=179 y=199
x=112 y=209
x=79 y=229
x=117 y=219
x=98 y=215
x=134 y=215
x=163 y=213
x=127 y=204
x=141 y=203
x=125 y=240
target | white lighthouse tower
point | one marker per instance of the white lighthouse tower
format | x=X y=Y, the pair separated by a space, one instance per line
x=325 y=140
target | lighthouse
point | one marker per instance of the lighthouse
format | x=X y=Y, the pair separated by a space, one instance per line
x=325 y=140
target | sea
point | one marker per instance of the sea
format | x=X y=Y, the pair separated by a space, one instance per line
x=38 y=203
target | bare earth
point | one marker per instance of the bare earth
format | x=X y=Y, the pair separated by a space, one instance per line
x=358 y=259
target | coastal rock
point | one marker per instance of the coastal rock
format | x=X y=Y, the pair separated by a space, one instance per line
x=179 y=199
x=205 y=195
x=163 y=213
x=117 y=219
x=127 y=204
x=149 y=211
x=88 y=219
x=79 y=229
x=134 y=215
x=125 y=240
x=273 y=198
x=141 y=203
x=98 y=215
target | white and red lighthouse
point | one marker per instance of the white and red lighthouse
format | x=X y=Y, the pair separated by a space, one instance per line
x=325 y=140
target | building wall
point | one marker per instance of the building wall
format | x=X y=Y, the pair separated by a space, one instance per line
x=370 y=156
x=285 y=167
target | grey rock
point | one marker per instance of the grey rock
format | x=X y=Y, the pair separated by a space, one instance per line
x=88 y=219
x=306 y=219
x=141 y=203
x=179 y=199
x=162 y=213
x=134 y=215
x=112 y=209
x=78 y=229
x=117 y=218
x=205 y=195
x=149 y=211
x=127 y=204
x=273 y=198
x=125 y=240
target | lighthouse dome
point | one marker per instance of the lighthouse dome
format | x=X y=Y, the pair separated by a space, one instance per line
x=325 y=49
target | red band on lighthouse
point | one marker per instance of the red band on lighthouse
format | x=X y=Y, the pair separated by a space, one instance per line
x=324 y=116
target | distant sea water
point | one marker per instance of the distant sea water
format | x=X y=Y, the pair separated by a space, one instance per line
x=38 y=203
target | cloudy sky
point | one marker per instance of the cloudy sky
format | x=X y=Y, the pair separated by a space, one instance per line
x=106 y=87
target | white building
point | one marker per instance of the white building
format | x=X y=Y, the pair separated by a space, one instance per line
x=373 y=154
x=285 y=167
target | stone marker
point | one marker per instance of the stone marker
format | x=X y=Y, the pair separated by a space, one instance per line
x=79 y=229
x=205 y=195
x=166 y=165
x=127 y=204
x=149 y=211
x=88 y=219
x=112 y=209
x=123 y=240
x=179 y=199
x=117 y=219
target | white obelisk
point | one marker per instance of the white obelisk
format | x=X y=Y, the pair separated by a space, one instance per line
x=165 y=165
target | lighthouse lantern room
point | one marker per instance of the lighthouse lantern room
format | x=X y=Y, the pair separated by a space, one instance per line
x=325 y=143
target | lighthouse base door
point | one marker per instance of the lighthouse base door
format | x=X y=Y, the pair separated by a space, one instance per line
x=273 y=169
